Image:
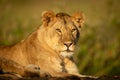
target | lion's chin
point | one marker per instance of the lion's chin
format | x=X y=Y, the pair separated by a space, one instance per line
x=66 y=53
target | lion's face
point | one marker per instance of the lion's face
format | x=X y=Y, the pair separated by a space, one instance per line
x=62 y=32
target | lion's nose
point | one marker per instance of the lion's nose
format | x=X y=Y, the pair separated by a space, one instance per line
x=67 y=44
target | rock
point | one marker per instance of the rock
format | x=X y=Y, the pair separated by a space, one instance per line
x=14 y=77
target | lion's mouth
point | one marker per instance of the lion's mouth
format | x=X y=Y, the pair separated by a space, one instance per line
x=68 y=50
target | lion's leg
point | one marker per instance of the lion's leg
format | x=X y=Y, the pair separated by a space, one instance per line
x=72 y=69
x=11 y=67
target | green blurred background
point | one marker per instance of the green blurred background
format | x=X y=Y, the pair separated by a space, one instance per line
x=98 y=50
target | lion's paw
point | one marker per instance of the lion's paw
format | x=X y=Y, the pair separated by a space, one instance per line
x=32 y=70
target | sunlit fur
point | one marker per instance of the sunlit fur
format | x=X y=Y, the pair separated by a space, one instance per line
x=50 y=47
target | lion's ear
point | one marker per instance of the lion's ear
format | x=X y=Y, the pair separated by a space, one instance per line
x=78 y=19
x=47 y=17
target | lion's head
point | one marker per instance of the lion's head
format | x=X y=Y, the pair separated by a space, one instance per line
x=62 y=31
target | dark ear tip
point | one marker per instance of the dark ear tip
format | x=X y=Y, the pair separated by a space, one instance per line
x=80 y=26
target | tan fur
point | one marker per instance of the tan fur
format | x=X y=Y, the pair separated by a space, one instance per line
x=50 y=47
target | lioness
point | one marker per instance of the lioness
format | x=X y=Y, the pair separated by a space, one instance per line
x=50 y=47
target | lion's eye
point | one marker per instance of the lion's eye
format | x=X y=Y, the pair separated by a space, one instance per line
x=58 y=30
x=73 y=30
